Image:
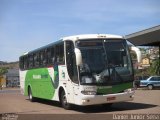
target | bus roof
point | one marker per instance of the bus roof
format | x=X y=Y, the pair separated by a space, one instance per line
x=41 y=48
x=77 y=37
x=91 y=36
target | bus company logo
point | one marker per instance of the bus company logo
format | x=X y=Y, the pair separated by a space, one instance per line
x=40 y=76
x=36 y=76
x=105 y=87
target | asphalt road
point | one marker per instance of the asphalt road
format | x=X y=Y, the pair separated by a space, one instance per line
x=145 y=102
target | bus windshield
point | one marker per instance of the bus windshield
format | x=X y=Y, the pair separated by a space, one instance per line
x=104 y=62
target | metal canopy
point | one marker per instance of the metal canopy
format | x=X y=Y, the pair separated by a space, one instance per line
x=147 y=37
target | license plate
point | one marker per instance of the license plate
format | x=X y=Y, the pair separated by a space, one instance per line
x=111 y=98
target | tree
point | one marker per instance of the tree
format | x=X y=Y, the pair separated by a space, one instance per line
x=3 y=70
x=155 y=67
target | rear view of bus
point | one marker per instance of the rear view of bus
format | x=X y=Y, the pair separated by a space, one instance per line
x=82 y=70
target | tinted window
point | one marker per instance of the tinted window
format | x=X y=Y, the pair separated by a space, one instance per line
x=36 y=60
x=43 y=57
x=30 y=61
x=71 y=62
x=21 y=63
x=26 y=65
x=59 y=49
x=157 y=78
x=49 y=57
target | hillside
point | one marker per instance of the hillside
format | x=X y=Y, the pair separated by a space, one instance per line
x=9 y=64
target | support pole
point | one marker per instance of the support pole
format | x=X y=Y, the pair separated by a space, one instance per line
x=159 y=59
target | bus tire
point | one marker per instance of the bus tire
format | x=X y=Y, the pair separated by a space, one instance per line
x=30 y=96
x=63 y=101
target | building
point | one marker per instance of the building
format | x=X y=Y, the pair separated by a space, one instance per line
x=12 y=78
x=145 y=62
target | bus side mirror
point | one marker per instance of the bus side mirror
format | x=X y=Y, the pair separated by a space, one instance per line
x=138 y=53
x=78 y=56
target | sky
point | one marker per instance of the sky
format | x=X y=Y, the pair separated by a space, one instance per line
x=28 y=24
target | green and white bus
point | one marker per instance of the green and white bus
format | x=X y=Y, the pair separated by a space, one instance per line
x=83 y=70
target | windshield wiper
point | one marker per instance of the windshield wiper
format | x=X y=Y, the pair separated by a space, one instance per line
x=110 y=75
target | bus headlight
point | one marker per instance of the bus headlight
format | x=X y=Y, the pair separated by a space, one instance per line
x=89 y=92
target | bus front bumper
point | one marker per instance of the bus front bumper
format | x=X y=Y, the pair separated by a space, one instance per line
x=102 y=99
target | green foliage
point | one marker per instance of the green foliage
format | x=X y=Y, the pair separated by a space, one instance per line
x=133 y=56
x=155 y=68
x=137 y=72
x=3 y=70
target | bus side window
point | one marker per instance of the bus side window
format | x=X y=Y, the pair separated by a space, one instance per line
x=36 y=60
x=45 y=57
x=59 y=53
x=30 y=61
x=25 y=62
x=49 y=60
x=52 y=55
x=41 y=58
x=21 y=63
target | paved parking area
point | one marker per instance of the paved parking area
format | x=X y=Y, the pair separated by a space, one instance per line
x=145 y=102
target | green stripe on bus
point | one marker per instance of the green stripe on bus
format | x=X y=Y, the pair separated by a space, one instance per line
x=40 y=82
x=114 y=88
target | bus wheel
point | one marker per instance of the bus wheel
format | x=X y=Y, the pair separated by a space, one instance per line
x=150 y=87
x=31 y=98
x=63 y=100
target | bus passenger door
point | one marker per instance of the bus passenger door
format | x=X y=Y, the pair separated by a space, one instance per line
x=72 y=69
